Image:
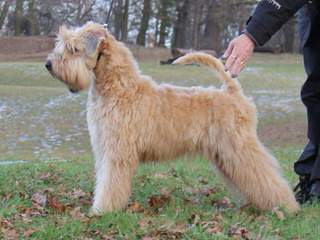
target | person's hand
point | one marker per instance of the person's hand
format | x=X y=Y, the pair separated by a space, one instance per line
x=238 y=54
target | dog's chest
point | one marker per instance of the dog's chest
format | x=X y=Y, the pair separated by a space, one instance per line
x=99 y=118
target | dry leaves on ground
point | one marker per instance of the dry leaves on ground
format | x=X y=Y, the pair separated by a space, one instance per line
x=237 y=232
x=158 y=202
x=135 y=207
x=8 y=231
x=78 y=215
x=214 y=225
x=223 y=203
x=280 y=215
x=168 y=232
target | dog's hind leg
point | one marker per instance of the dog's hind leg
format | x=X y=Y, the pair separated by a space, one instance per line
x=254 y=172
x=114 y=173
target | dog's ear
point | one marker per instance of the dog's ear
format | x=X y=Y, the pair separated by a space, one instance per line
x=92 y=41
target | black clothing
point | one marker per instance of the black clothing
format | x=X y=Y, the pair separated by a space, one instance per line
x=270 y=15
x=267 y=19
x=315 y=191
x=302 y=190
x=308 y=163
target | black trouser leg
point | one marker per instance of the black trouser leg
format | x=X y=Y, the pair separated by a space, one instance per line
x=304 y=165
x=309 y=162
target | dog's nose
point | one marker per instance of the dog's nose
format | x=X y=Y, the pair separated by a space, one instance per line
x=73 y=90
x=49 y=65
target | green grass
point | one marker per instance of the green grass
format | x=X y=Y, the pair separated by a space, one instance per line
x=183 y=179
x=49 y=195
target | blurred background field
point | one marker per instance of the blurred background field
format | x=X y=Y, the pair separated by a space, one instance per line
x=40 y=119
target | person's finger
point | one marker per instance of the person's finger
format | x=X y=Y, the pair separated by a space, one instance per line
x=228 y=51
x=231 y=60
x=237 y=67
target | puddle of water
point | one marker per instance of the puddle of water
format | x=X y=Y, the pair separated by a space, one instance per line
x=58 y=101
x=12 y=162
x=23 y=161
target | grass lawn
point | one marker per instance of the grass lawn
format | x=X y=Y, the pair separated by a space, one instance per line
x=47 y=191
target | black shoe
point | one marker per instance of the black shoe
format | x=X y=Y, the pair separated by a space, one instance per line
x=302 y=190
x=315 y=191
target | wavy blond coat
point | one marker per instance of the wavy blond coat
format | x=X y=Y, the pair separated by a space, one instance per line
x=132 y=119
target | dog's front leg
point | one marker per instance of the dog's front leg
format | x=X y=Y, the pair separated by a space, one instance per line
x=114 y=173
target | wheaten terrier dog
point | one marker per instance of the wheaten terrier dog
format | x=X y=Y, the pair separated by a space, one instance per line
x=132 y=119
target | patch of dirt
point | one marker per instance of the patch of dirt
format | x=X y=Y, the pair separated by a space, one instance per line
x=37 y=49
x=284 y=134
x=24 y=48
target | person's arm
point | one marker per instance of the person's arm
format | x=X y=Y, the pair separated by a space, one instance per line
x=267 y=19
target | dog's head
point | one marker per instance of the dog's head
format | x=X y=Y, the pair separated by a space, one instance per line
x=76 y=54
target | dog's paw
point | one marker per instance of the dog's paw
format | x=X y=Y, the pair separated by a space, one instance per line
x=95 y=212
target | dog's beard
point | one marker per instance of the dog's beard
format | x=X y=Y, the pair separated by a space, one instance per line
x=75 y=74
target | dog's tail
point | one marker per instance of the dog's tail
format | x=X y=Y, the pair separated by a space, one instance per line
x=232 y=85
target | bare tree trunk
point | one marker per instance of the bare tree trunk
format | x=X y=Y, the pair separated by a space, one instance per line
x=180 y=34
x=156 y=31
x=165 y=22
x=4 y=12
x=212 y=33
x=18 y=18
x=195 y=25
x=125 y=19
x=141 y=39
x=118 y=19
x=34 y=27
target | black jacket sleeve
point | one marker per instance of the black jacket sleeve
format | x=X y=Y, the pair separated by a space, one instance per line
x=269 y=16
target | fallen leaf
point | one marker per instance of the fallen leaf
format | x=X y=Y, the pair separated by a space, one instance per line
x=76 y=214
x=39 y=199
x=27 y=213
x=147 y=238
x=96 y=233
x=295 y=238
x=45 y=176
x=278 y=213
x=110 y=235
x=208 y=191
x=77 y=193
x=223 y=203
x=6 y=223
x=54 y=204
x=203 y=191
x=239 y=233
x=168 y=232
x=157 y=202
x=29 y=232
x=9 y=233
x=214 y=229
x=160 y=175
x=214 y=225
x=134 y=207
x=144 y=223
